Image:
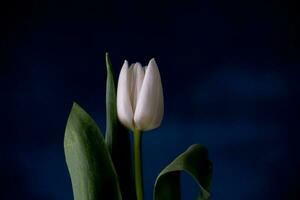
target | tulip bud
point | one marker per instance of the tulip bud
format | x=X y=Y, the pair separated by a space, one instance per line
x=140 y=96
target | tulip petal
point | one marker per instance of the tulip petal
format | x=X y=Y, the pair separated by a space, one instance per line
x=124 y=108
x=150 y=106
x=136 y=83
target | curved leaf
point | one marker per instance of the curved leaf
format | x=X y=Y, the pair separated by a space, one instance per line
x=195 y=162
x=92 y=173
x=117 y=138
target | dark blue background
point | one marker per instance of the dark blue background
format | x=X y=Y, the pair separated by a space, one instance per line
x=230 y=77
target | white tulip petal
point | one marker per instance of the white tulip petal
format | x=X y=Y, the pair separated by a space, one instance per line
x=131 y=82
x=137 y=81
x=150 y=106
x=124 y=108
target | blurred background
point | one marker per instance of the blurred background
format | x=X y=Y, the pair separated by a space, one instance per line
x=230 y=72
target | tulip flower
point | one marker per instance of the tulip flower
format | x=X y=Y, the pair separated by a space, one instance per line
x=140 y=96
x=140 y=107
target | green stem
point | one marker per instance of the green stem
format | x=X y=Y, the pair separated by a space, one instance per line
x=137 y=135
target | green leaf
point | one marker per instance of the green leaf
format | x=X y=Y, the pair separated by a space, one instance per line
x=91 y=169
x=117 y=138
x=193 y=161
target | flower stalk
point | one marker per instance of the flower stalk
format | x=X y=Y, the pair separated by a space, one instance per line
x=138 y=168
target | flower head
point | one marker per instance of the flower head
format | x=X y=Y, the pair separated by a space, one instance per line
x=140 y=96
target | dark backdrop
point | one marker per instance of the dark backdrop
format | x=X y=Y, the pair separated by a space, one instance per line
x=230 y=77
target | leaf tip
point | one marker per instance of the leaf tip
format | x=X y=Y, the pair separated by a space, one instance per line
x=107 y=60
x=75 y=104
